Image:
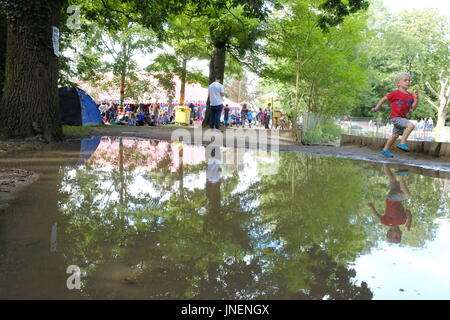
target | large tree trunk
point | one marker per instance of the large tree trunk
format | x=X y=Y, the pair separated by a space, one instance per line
x=216 y=68
x=442 y=116
x=443 y=102
x=30 y=104
x=2 y=51
x=444 y=98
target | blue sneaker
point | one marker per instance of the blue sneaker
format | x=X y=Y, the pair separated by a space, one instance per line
x=401 y=172
x=387 y=154
x=403 y=147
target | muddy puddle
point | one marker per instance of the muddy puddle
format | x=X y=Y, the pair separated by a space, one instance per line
x=118 y=218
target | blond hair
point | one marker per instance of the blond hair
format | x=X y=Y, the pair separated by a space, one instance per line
x=400 y=76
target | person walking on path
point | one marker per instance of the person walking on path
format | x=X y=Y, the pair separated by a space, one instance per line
x=401 y=102
x=216 y=92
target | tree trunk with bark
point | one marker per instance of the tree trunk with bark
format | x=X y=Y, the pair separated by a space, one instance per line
x=444 y=98
x=216 y=68
x=183 y=82
x=30 y=104
x=2 y=50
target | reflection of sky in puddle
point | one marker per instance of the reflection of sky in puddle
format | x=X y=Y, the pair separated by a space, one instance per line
x=420 y=273
x=105 y=160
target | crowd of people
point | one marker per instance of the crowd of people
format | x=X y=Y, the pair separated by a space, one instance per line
x=154 y=114
x=425 y=124
x=247 y=118
x=216 y=93
x=136 y=115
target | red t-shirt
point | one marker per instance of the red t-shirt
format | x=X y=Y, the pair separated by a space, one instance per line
x=401 y=103
x=395 y=214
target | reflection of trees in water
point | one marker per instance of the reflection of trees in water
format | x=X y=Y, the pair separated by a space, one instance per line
x=232 y=250
x=321 y=278
x=290 y=235
x=312 y=203
x=316 y=201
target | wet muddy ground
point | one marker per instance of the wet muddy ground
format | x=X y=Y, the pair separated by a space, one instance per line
x=149 y=219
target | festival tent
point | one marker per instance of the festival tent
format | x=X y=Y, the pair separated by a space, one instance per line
x=231 y=104
x=78 y=108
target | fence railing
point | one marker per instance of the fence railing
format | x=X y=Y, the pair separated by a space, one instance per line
x=371 y=129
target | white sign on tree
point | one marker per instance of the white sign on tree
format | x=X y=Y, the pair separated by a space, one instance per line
x=55 y=40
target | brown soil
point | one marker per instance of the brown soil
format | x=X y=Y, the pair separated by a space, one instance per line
x=11 y=181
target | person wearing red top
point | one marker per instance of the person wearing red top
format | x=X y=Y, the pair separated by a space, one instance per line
x=395 y=214
x=401 y=102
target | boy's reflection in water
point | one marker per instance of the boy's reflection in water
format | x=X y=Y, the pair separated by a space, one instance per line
x=395 y=214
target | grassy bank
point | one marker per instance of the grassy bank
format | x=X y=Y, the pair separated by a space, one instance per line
x=8 y=146
x=73 y=132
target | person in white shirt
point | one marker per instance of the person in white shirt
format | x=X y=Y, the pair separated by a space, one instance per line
x=216 y=91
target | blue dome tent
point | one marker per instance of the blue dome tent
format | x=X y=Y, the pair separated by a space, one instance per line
x=77 y=108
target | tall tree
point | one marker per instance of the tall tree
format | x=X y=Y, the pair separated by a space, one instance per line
x=443 y=96
x=29 y=105
x=187 y=40
x=234 y=28
x=122 y=46
x=2 y=50
x=318 y=66
x=416 y=41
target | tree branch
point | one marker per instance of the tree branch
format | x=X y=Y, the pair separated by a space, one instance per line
x=117 y=11
x=432 y=90
x=447 y=94
x=237 y=18
x=111 y=50
x=432 y=103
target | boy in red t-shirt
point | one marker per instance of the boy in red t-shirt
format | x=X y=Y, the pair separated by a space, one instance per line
x=395 y=214
x=401 y=102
